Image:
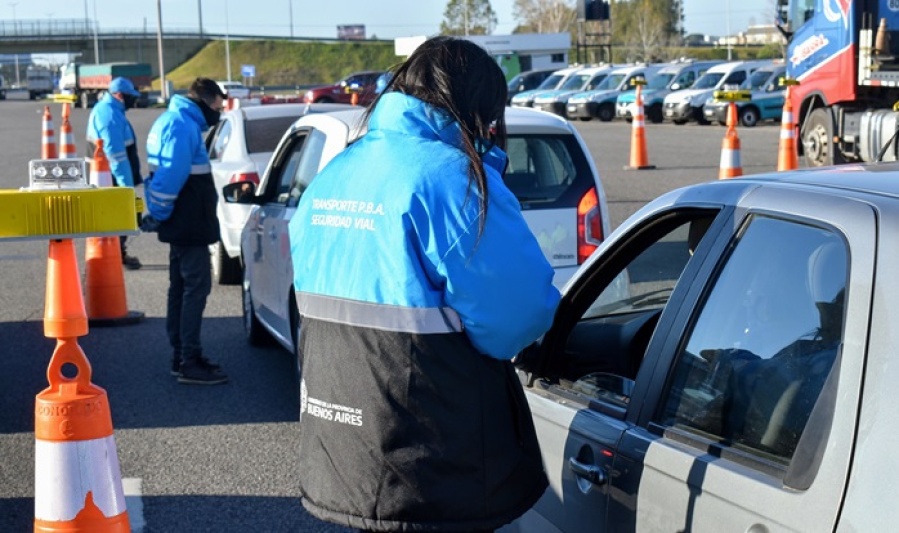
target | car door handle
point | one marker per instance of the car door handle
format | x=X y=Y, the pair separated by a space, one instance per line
x=591 y=473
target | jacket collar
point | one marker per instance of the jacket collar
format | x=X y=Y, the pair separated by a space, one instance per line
x=108 y=98
x=183 y=105
x=409 y=115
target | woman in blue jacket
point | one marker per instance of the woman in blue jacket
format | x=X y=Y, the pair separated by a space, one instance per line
x=417 y=282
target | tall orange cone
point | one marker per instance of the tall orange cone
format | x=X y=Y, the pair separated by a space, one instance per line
x=48 y=136
x=639 y=158
x=107 y=303
x=66 y=139
x=77 y=479
x=105 y=286
x=100 y=174
x=354 y=99
x=730 y=147
x=787 y=157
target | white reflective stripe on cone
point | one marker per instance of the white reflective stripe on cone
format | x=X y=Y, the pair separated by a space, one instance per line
x=730 y=158
x=65 y=472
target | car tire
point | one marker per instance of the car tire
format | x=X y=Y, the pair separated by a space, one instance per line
x=749 y=116
x=253 y=328
x=817 y=140
x=295 y=328
x=654 y=113
x=606 y=112
x=585 y=119
x=226 y=270
x=679 y=122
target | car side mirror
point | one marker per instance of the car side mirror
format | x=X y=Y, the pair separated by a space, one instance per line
x=241 y=192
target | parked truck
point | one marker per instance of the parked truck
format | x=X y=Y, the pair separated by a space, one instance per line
x=39 y=80
x=86 y=83
x=845 y=54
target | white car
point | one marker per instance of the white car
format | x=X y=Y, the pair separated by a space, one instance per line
x=240 y=146
x=234 y=89
x=550 y=171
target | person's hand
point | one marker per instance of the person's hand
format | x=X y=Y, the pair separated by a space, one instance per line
x=149 y=224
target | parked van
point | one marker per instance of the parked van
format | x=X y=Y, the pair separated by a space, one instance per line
x=584 y=80
x=674 y=77
x=527 y=81
x=554 y=81
x=766 y=98
x=600 y=102
x=685 y=105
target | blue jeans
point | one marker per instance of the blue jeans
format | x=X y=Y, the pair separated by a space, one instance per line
x=190 y=281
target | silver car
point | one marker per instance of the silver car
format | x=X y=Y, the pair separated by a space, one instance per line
x=239 y=147
x=745 y=381
x=550 y=171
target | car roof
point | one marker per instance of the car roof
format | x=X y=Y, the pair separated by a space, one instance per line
x=518 y=120
x=258 y=112
x=679 y=66
x=871 y=178
x=731 y=65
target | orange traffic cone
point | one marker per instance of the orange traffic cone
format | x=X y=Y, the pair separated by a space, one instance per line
x=105 y=284
x=78 y=484
x=730 y=147
x=354 y=99
x=48 y=136
x=787 y=158
x=639 y=159
x=100 y=174
x=66 y=139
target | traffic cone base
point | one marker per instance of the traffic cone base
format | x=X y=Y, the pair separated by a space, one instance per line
x=105 y=285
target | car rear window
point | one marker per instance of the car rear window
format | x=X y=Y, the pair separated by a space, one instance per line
x=546 y=169
x=262 y=135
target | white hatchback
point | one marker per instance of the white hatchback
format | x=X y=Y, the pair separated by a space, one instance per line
x=550 y=171
x=239 y=147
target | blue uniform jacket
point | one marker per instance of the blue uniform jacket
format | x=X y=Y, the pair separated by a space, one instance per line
x=175 y=150
x=107 y=122
x=180 y=192
x=392 y=221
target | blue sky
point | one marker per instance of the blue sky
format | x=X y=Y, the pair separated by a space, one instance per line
x=316 y=18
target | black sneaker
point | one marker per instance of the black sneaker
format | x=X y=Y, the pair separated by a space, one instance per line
x=131 y=262
x=198 y=373
x=176 y=365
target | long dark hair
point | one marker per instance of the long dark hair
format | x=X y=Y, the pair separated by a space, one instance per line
x=459 y=77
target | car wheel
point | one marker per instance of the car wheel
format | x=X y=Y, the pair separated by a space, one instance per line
x=606 y=112
x=225 y=269
x=295 y=328
x=817 y=140
x=654 y=113
x=255 y=332
x=749 y=116
x=585 y=119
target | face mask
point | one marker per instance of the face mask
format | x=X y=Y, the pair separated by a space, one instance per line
x=211 y=115
x=130 y=101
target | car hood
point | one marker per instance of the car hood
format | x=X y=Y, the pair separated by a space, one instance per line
x=550 y=95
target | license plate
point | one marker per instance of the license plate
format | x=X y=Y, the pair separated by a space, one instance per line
x=572 y=108
x=709 y=113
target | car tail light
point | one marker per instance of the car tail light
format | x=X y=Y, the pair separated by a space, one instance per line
x=589 y=226
x=244 y=176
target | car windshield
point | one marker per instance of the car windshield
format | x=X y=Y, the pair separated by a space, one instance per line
x=514 y=83
x=708 y=80
x=575 y=82
x=551 y=82
x=758 y=80
x=659 y=81
x=262 y=135
x=611 y=82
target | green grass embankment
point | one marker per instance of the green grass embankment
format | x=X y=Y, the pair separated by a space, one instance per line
x=284 y=62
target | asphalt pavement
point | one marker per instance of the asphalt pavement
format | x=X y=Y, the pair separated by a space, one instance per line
x=223 y=458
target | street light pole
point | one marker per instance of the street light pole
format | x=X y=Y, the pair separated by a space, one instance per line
x=15 y=31
x=163 y=89
x=290 y=6
x=96 y=40
x=227 y=44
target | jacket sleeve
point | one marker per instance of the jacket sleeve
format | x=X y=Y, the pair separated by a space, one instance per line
x=171 y=151
x=114 y=133
x=500 y=283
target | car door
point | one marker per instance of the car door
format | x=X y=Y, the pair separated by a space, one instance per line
x=740 y=428
x=587 y=377
x=305 y=155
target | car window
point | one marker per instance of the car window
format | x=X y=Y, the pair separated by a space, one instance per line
x=616 y=315
x=763 y=343
x=262 y=135
x=708 y=80
x=735 y=78
x=221 y=139
x=307 y=167
x=686 y=79
x=541 y=167
x=285 y=168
